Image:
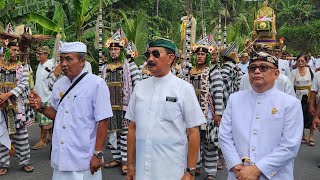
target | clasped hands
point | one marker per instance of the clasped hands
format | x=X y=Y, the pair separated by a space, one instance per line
x=246 y=172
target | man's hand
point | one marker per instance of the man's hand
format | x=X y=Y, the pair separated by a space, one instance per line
x=131 y=174
x=312 y=110
x=95 y=164
x=4 y=97
x=217 y=119
x=187 y=176
x=249 y=173
x=236 y=169
x=34 y=100
x=57 y=71
x=316 y=122
x=3 y=104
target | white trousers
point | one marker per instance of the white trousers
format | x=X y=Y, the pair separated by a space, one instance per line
x=76 y=175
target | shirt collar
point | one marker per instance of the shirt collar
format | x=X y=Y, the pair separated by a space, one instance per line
x=74 y=79
x=264 y=94
x=45 y=63
x=161 y=80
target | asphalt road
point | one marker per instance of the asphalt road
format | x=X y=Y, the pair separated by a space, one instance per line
x=305 y=164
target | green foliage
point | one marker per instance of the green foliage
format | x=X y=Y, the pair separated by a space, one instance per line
x=304 y=38
x=7 y=54
x=297 y=20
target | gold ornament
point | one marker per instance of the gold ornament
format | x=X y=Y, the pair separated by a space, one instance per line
x=195 y=71
x=114 y=66
x=274 y=111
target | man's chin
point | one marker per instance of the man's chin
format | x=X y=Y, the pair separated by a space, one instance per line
x=200 y=62
x=257 y=84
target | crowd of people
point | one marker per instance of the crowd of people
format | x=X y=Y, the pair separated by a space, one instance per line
x=164 y=119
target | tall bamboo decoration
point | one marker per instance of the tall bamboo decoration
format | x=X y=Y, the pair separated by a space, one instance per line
x=188 y=34
x=56 y=53
x=100 y=39
x=219 y=38
x=56 y=56
x=225 y=30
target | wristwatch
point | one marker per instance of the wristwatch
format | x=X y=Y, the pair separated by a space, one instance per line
x=43 y=106
x=191 y=171
x=99 y=154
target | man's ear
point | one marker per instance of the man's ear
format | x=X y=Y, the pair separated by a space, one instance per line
x=277 y=72
x=171 y=58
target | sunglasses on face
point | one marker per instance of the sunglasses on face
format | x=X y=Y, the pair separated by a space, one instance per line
x=262 y=68
x=155 y=53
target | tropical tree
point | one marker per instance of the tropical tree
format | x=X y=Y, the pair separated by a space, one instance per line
x=136 y=31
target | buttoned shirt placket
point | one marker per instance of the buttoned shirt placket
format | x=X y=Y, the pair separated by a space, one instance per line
x=255 y=126
x=151 y=113
x=67 y=118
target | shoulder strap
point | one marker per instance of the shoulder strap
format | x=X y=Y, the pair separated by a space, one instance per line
x=312 y=75
x=73 y=85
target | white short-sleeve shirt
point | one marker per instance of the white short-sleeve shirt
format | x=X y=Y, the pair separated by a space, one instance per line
x=162 y=109
x=75 y=125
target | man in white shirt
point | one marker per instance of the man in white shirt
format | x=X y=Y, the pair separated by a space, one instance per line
x=41 y=87
x=283 y=65
x=261 y=128
x=80 y=116
x=244 y=63
x=162 y=109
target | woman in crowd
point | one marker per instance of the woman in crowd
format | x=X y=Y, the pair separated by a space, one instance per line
x=302 y=81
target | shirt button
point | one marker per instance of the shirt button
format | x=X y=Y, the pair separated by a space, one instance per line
x=255 y=132
x=63 y=126
x=67 y=111
x=253 y=148
x=62 y=142
x=257 y=117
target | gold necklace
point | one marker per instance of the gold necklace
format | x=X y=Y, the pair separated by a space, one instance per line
x=9 y=66
x=196 y=71
x=113 y=66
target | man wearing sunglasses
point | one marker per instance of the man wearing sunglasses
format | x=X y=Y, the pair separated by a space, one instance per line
x=261 y=128
x=282 y=83
x=162 y=109
x=208 y=85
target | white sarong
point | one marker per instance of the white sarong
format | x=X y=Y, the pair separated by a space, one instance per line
x=76 y=175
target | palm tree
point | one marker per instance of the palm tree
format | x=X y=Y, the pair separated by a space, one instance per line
x=136 y=30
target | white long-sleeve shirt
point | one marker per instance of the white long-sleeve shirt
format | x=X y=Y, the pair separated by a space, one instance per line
x=266 y=127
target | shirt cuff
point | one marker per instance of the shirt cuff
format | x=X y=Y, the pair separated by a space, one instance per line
x=100 y=117
x=264 y=171
x=129 y=117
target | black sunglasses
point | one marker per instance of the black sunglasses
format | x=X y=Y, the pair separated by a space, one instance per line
x=262 y=68
x=155 y=53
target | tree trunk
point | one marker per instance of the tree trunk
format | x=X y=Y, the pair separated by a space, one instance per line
x=156 y=8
